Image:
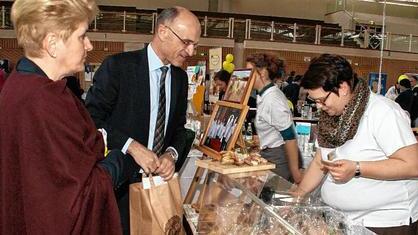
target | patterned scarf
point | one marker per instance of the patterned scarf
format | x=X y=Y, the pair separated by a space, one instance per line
x=334 y=131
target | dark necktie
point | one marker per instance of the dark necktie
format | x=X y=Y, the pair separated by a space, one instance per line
x=160 y=124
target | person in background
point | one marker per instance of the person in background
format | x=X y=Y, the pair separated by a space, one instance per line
x=413 y=79
x=367 y=151
x=54 y=178
x=280 y=81
x=140 y=99
x=405 y=96
x=274 y=121
x=221 y=80
x=414 y=112
x=292 y=93
x=406 y=99
x=393 y=91
x=290 y=78
x=4 y=72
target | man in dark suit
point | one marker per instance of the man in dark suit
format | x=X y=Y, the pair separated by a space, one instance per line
x=140 y=99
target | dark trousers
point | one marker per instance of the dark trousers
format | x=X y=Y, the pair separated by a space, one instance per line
x=122 y=197
x=277 y=156
x=411 y=229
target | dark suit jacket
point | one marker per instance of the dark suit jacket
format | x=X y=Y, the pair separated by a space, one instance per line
x=119 y=101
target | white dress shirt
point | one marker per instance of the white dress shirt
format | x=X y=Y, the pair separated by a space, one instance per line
x=154 y=65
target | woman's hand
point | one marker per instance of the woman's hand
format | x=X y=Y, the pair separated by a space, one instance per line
x=341 y=170
x=297 y=176
x=297 y=191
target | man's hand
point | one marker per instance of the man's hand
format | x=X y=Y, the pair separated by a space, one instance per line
x=144 y=157
x=166 y=168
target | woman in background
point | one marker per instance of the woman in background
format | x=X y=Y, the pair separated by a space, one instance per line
x=221 y=79
x=54 y=178
x=274 y=120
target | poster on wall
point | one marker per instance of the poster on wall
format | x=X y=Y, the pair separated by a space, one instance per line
x=374 y=81
x=215 y=59
x=196 y=75
x=196 y=89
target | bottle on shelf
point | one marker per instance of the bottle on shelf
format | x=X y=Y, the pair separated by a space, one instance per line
x=249 y=133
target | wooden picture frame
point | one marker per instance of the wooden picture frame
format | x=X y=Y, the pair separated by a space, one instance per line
x=239 y=86
x=223 y=128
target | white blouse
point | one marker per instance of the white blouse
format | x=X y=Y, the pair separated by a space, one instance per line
x=273 y=116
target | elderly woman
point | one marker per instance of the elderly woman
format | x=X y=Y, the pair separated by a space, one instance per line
x=54 y=177
x=274 y=120
x=367 y=148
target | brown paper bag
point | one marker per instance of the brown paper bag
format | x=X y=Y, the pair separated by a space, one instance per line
x=157 y=210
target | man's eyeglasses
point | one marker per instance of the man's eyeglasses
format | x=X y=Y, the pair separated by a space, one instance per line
x=186 y=42
x=321 y=100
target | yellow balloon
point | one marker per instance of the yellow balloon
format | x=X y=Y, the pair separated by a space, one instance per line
x=230 y=67
x=229 y=58
x=225 y=65
x=290 y=104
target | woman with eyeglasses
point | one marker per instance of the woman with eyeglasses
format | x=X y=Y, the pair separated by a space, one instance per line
x=274 y=120
x=373 y=175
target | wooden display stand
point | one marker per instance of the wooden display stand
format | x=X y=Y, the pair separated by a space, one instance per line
x=236 y=139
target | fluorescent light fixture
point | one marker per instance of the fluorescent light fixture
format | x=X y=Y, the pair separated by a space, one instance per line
x=397 y=3
x=406 y=3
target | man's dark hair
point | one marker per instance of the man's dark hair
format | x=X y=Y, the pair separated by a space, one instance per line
x=405 y=83
x=329 y=72
x=167 y=15
x=223 y=75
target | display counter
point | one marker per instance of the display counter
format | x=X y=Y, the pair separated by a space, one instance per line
x=304 y=119
x=259 y=203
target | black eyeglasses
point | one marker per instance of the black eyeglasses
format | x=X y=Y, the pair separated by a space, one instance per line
x=321 y=100
x=186 y=42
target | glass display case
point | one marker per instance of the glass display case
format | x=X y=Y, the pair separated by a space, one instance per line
x=259 y=203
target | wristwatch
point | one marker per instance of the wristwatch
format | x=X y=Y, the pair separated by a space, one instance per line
x=173 y=154
x=357 y=172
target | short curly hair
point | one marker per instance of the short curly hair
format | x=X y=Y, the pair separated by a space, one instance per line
x=34 y=19
x=275 y=66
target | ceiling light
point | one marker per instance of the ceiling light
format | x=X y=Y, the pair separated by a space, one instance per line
x=397 y=3
x=406 y=3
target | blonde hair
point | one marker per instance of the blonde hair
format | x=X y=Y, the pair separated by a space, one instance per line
x=34 y=19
